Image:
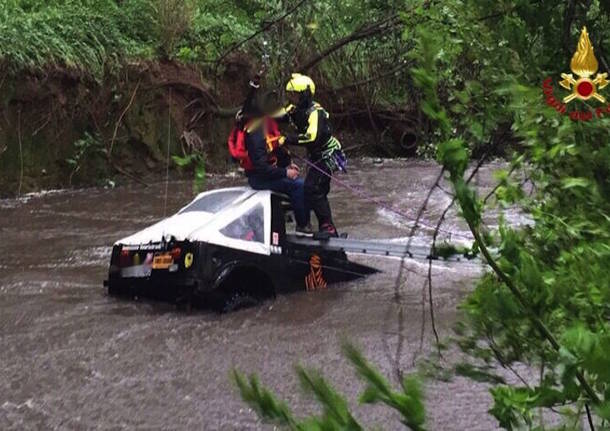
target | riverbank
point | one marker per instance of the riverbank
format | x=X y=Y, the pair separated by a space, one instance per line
x=63 y=129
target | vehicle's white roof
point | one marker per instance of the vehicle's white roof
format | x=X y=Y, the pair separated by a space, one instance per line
x=194 y=224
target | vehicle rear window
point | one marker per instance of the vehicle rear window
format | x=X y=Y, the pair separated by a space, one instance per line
x=213 y=202
x=248 y=227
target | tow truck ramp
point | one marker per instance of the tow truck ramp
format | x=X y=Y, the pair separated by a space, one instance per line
x=371 y=247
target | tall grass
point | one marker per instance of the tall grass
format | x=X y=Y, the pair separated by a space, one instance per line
x=91 y=36
x=174 y=18
x=97 y=36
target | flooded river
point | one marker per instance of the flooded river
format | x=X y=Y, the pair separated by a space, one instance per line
x=73 y=358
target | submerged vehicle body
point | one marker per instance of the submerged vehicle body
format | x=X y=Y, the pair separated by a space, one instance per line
x=226 y=245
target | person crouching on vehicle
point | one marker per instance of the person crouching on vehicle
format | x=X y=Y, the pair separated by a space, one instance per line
x=255 y=143
x=323 y=150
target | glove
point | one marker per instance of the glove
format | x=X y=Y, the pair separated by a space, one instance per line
x=255 y=82
x=333 y=144
x=333 y=156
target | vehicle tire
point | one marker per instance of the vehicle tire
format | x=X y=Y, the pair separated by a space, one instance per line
x=243 y=287
x=115 y=290
x=119 y=291
x=237 y=299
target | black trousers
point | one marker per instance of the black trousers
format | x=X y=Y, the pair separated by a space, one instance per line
x=317 y=186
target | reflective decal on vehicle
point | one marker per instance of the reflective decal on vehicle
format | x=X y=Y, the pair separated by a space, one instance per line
x=145 y=247
x=188 y=260
x=315 y=279
x=162 y=261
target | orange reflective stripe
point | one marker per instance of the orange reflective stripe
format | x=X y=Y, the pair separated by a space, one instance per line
x=272 y=135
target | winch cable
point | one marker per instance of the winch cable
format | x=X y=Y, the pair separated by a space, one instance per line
x=374 y=200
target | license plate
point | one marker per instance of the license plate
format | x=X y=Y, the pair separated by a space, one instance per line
x=162 y=261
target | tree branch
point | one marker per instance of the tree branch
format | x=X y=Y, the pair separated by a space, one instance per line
x=256 y=33
x=568 y=18
x=118 y=123
x=388 y=23
x=540 y=326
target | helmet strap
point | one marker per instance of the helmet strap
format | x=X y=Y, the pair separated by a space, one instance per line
x=305 y=98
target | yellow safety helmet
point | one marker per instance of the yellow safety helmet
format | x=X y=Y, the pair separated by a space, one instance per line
x=299 y=83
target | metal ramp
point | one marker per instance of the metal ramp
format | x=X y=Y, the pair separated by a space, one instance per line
x=372 y=247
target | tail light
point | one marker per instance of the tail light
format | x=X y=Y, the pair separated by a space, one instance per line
x=124 y=258
x=175 y=253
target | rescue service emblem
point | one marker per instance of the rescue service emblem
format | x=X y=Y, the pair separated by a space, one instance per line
x=584 y=65
x=581 y=83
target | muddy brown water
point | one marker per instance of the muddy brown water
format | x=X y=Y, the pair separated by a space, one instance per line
x=73 y=358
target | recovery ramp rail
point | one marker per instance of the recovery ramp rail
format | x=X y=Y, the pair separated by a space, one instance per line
x=372 y=247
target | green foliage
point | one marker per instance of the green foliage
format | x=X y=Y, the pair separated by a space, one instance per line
x=408 y=402
x=85 y=147
x=336 y=414
x=446 y=250
x=174 y=19
x=513 y=406
x=263 y=401
x=197 y=162
x=545 y=304
x=90 y=36
x=97 y=36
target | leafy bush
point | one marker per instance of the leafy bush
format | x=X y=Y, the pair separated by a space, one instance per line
x=336 y=414
x=174 y=18
x=545 y=304
x=89 y=36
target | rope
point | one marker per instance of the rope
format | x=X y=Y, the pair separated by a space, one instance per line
x=169 y=135
x=373 y=199
x=20 y=152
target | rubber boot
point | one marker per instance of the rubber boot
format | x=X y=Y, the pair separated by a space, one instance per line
x=327 y=231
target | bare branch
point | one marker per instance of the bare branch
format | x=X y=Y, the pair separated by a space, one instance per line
x=374 y=29
x=256 y=33
x=118 y=123
x=392 y=71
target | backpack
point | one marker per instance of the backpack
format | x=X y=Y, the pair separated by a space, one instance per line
x=237 y=147
x=237 y=142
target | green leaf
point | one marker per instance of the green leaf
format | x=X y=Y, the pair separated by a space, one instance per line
x=568 y=183
x=182 y=161
x=452 y=154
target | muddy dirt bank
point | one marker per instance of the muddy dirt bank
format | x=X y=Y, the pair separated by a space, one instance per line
x=62 y=129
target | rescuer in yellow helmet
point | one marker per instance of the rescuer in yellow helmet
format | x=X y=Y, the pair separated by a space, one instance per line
x=323 y=150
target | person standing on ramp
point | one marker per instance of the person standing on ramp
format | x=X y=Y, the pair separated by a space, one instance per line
x=323 y=150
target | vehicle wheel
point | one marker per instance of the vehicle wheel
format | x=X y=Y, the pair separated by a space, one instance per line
x=243 y=287
x=119 y=291
x=237 y=299
x=114 y=291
